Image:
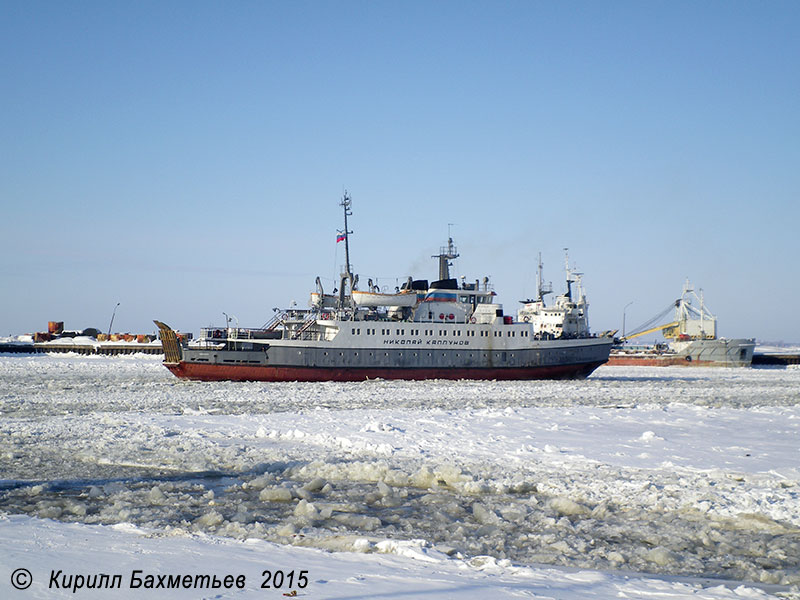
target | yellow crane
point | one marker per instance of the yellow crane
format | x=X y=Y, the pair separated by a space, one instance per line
x=651 y=330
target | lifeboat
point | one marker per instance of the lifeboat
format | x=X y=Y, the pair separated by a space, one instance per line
x=370 y=299
x=322 y=300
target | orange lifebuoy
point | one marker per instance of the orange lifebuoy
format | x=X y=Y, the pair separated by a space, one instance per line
x=472 y=319
x=526 y=319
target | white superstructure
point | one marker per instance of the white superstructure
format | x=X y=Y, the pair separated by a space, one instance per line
x=568 y=316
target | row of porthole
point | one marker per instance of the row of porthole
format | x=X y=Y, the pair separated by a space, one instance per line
x=415 y=354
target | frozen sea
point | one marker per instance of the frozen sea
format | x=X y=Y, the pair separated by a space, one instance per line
x=637 y=482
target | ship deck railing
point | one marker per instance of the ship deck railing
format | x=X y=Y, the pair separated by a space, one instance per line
x=213 y=334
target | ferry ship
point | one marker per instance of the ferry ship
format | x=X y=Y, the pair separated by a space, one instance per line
x=691 y=339
x=443 y=329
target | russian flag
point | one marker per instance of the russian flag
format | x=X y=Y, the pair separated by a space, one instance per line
x=340 y=237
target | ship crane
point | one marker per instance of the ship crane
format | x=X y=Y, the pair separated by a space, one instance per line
x=651 y=330
x=646 y=328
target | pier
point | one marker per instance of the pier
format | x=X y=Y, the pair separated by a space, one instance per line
x=99 y=348
x=776 y=359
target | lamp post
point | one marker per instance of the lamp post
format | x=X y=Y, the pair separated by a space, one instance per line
x=114 y=312
x=623 y=317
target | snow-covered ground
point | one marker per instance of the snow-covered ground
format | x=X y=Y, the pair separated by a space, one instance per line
x=637 y=482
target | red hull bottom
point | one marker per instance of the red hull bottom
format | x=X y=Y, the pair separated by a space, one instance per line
x=207 y=372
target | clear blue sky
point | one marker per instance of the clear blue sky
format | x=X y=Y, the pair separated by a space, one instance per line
x=187 y=158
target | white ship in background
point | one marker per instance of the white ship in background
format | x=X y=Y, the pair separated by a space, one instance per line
x=691 y=339
x=567 y=317
x=447 y=329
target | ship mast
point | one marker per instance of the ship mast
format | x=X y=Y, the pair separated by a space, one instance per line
x=446 y=254
x=570 y=281
x=347 y=276
x=346 y=203
x=541 y=289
